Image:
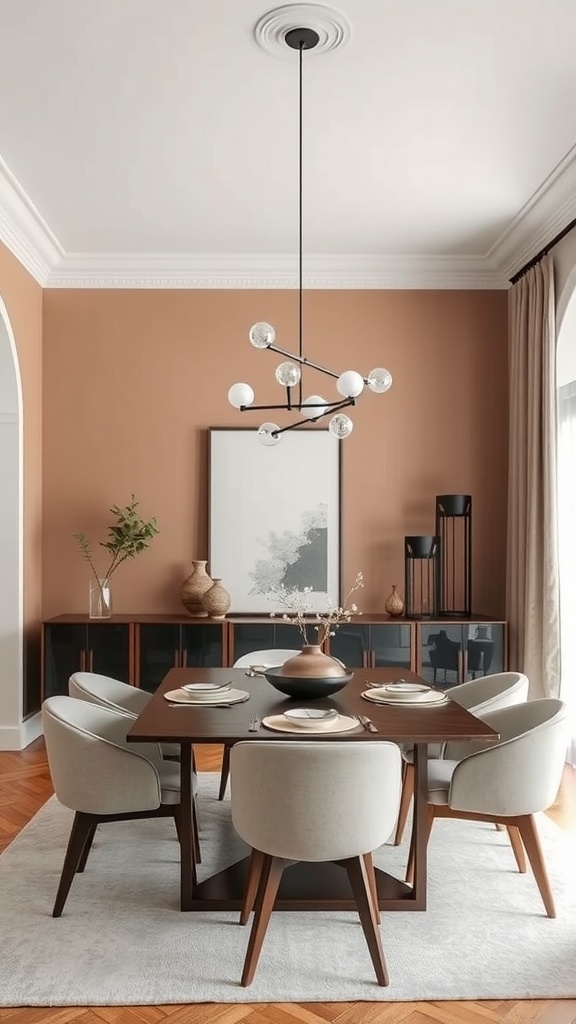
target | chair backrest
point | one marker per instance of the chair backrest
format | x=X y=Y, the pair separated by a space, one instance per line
x=92 y=766
x=489 y=693
x=108 y=693
x=521 y=772
x=315 y=801
x=270 y=657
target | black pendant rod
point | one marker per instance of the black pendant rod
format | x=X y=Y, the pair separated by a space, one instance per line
x=543 y=252
x=300 y=247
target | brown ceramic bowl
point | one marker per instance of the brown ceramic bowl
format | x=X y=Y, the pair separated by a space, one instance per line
x=304 y=686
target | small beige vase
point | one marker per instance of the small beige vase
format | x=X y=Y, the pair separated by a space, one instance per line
x=194 y=588
x=394 y=603
x=312 y=663
x=216 y=600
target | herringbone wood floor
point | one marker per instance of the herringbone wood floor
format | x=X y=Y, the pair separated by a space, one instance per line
x=25 y=786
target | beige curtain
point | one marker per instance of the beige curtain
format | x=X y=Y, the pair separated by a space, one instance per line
x=532 y=578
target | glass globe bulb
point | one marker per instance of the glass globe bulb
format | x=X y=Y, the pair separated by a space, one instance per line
x=340 y=426
x=288 y=374
x=379 y=380
x=267 y=435
x=350 y=384
x=262 y=335
x=317 y=407
x=240 y=394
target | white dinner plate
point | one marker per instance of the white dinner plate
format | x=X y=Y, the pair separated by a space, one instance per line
x=311 y=718
x=231 y=696
x=430 y=698
x=342 y=723
x=408 y=688
x=206 y=690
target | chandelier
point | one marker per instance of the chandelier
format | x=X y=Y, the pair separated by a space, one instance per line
x=350 y=383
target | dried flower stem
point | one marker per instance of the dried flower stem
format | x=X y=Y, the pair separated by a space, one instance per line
x=325 y=623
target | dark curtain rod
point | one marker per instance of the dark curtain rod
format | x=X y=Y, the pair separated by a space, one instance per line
x=543 y=252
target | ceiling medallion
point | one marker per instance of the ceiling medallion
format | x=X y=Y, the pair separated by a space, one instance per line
x=330 y=25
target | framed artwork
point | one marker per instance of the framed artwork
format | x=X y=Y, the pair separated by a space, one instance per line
x=274 y=517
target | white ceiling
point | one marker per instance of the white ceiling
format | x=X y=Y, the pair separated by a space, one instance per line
x=155 y=142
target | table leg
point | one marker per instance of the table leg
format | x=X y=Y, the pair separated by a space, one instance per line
x=420 y=825
x=187 y=836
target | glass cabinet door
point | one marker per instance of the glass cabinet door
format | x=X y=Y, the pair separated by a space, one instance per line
x=351 y=644
x=390 y=644
x=201 y=644
x=158 y=650
x=108 y=650
x=64 y=653
x=453 y=653
x=264 y=636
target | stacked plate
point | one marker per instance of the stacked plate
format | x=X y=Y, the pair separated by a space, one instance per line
x=210 y=694
x=405 y=694
x=310 y=720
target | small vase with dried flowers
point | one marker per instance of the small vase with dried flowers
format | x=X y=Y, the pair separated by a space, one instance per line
x=312 y=660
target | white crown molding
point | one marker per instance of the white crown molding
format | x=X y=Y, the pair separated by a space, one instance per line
x=543 y=217
x=23 y=230
x=130 y=270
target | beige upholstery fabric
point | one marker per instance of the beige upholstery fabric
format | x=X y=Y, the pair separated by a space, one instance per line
x=91 y=766
x=315 y=801
x=486 y=693
x=272 y=656
x=520 y=774
x=114 y=694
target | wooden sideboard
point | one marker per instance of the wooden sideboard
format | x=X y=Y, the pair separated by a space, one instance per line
x=140 y=649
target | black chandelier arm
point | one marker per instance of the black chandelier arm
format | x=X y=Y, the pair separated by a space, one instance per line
x=330 y=407
x=303 y=361
x=301 y=423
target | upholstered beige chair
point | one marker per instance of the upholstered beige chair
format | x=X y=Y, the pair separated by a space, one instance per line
x=314 y=802
x=99 y=775
x=270 y=657
x=506 y=782
x=116 y=695
x=487 y=693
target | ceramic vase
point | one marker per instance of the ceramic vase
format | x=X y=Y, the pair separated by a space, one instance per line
x=216 y=600
x=394 y=604
x=312 y=663
x=194 y=588
x=100 y=597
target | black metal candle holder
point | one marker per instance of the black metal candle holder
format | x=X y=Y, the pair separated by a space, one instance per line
x=454 y=530
x=421 y=577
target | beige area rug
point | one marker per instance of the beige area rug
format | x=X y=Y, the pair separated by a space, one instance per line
x=122 y=939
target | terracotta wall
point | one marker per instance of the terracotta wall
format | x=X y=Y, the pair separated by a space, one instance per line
x=132 y=379
x=23 y=299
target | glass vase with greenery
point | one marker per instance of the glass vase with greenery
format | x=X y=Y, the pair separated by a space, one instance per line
x=127 y=537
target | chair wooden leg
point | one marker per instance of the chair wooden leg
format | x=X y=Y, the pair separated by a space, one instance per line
x=197 y=853
x=369 y=863
x=410 y=864
x=252 y=883
x=225 y=771
x=517 y=848
x=527 y=827
x=81 y=828
x=272 y=870
x=87 y=848
x=360 y=883
x=408 y=774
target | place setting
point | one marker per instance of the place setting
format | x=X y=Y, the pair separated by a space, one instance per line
x=213 y=695
x=405 y=694
x=311 y=721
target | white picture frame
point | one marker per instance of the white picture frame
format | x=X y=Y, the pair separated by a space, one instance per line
x=275 y=517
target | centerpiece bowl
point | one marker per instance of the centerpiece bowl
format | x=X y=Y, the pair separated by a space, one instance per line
x=310 y=687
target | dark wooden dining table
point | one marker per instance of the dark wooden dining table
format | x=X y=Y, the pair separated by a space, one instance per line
x=304 y=886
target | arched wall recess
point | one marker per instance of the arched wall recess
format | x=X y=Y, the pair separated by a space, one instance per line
x=11 y=540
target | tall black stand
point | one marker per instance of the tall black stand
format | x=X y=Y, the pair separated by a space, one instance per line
x=420 y=577
x=454 y=531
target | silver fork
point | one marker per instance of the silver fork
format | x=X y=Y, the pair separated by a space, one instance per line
x=254 y=724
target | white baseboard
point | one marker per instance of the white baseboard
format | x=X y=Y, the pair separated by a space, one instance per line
x=17 y=738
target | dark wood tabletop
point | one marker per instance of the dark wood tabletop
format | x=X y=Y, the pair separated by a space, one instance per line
x=161 y=723
x=305 y=886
